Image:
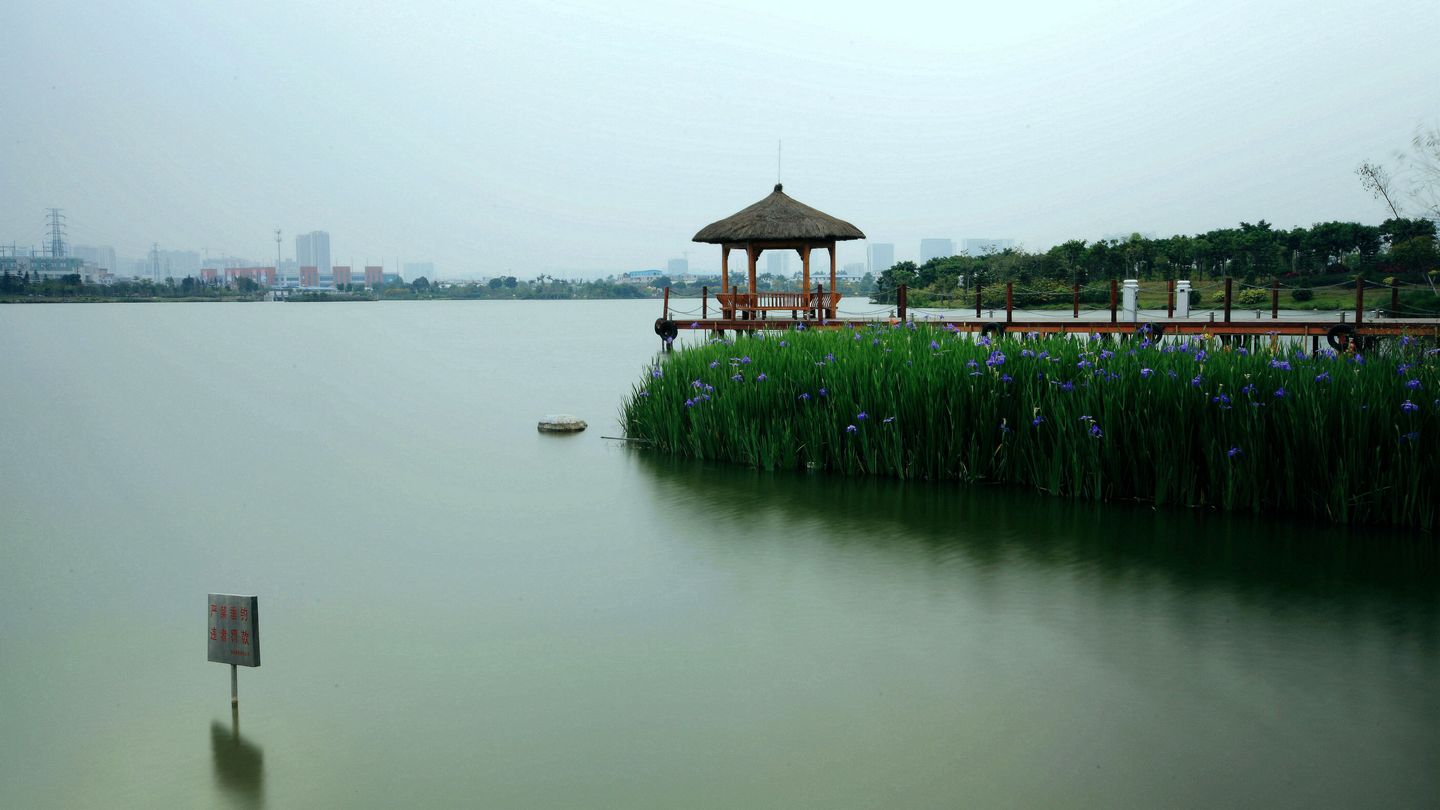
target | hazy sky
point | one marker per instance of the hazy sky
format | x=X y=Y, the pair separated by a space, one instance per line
x=581 y=138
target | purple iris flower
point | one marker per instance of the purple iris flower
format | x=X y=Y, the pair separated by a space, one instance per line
x=1409 y=407
x=1146 y=372
x=851 y=428
x=1234 y=451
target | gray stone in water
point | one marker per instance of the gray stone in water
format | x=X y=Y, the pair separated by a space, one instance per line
x=562 y=423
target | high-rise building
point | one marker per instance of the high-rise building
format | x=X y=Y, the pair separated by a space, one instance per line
x=777 y=262
x=342 y=275
x=980 y=247
x=677 y=267
x=313 y=250
x=879 y=257
x=374 y=274
x=936 y=249
x=102 y=256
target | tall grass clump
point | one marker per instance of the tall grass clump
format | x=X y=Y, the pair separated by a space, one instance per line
x=1197 y=422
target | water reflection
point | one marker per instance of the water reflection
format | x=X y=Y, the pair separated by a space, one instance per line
x=239 y=763
x=1392 y=575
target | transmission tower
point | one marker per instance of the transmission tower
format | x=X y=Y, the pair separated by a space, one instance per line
x=277 y=255
x=57 y=232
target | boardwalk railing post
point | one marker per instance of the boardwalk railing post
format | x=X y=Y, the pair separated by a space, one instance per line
x=1394 y=300
x=902 y=301
x=704 y=303
x=1114 y=290
x=1170 y=298
x=1075 y=301
x=1009 y=301
x=667 y=302
x=1131 y=300
x=1228 y=281
x=1359 y=299
x=977 y=300
x=1182 y=298
x=1275 y=299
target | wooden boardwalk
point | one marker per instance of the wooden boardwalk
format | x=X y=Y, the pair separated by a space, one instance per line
x=743 y=312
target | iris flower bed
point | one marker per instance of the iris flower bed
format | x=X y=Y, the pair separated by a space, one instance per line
x=1193 y=422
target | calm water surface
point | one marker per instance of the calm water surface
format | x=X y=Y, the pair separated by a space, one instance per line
x=458 y=611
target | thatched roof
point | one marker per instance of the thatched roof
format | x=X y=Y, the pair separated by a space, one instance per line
x=778 y=217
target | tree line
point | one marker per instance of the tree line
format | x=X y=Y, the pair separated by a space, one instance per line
x=1398 y=247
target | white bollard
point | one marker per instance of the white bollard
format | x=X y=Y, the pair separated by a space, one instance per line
x=1182 y=299
x=1129 y=299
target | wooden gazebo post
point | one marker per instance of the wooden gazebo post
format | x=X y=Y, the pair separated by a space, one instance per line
x=830 y=310
x=805 y=275
x=725 y=312
x=754 y=254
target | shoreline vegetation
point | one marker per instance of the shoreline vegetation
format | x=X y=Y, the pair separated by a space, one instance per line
x=1316 y=268
x=1256 y=425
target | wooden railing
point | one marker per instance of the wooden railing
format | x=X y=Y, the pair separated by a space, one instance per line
x=802 y=304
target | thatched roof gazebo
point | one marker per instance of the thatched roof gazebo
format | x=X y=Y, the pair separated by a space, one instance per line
x=777 y=222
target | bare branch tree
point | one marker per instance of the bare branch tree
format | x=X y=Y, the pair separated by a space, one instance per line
x=1425 y=166
x=1375 y=179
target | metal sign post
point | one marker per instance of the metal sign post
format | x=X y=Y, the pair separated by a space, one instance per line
x=234 y=630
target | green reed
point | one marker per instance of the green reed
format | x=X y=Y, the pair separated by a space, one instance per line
x=1259 y=425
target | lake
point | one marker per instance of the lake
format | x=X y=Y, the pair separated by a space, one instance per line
x=461 y=611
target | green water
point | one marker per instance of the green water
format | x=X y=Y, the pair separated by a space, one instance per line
x=459 y=611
